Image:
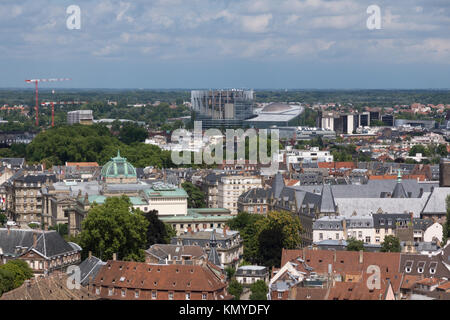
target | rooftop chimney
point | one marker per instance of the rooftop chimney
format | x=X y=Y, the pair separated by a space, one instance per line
x=361 y=255
x=34 y=239
x=114 y=256
x=90 y=254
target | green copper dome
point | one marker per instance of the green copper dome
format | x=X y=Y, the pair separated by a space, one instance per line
x=118 y=167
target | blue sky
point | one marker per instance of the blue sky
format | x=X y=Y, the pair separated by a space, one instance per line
x=226 y=43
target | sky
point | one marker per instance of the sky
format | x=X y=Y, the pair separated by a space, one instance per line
x=280 y=44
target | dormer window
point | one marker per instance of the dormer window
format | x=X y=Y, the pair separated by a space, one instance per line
x=433 y=267
x=420 y=266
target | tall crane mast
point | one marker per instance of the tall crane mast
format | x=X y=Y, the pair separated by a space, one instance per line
x=36 y=81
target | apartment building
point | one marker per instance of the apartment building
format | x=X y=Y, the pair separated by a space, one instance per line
x=24 y=197
x=231 y=187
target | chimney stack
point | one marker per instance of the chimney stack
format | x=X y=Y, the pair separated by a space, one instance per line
x=90 y=254
x=34 y=239
x=361 y=255
x=114 y=256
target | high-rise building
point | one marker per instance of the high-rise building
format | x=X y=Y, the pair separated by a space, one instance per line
x=222 y=108
x=80 y=116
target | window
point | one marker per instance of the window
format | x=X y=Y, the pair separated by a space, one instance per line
x=136 y=294
x=97 y=290
x=110 y=292
x=123 y=293
x=188 y=296
x=377 y=239
x=367 y=239
x=280 y=295
x=170 y=295
x=204 y=296
x=337 y=236
x=377 y=231
x=154 y=295
x=321 y=236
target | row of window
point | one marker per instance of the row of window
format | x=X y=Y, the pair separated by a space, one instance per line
x=154 y=294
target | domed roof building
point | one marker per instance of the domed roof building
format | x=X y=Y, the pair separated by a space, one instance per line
x=119 y=170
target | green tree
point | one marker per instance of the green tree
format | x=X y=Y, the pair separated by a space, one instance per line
x=230 y=271
x=3 y=219
x=131 y=132
x=20 y=271
x=442 y=150
x=62 y=228
x=418 y=148
x=391 y=244
x=157 y=231
x=355 y=245
x=6 y=281
x=196 y=197
x=115 y=227
x=259 y=290
x=265 y=236
x=235 y=289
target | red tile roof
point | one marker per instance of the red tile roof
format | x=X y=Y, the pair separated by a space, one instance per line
x=138 y=275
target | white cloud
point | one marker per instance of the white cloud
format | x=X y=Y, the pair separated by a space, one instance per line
x=256 y=24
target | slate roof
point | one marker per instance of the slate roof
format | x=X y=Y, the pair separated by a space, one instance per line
x=278 y=185
x=49 y=243
x=422 y=224
x=213 y=256
x=89 y=269
x=163 y=251
x=436 y=202
x=252 y=195
x=385 y=220
x=327 y=204
x=372 y=189
x=252 y=271
x=399 y=191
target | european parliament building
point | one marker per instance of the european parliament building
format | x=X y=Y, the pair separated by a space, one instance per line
x=222 y=108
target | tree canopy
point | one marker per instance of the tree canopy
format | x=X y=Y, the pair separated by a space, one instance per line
x=265 y=236
x=196 y=197
x=391 y=244
x=355 y=245
x=115 y=227
x=235 y=289
x=157 y=231
x=259 y=290
x=78 y=143
x=13 y=274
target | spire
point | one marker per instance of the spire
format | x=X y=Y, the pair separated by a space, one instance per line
x=399 y=190
x=118 y=153
x=399 y=176
x=213 y=256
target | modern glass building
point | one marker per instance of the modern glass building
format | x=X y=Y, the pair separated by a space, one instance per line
x=222 y=108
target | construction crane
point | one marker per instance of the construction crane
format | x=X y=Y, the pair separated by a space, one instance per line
x=36 y=81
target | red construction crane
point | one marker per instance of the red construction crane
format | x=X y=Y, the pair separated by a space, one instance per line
x=36 y=81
